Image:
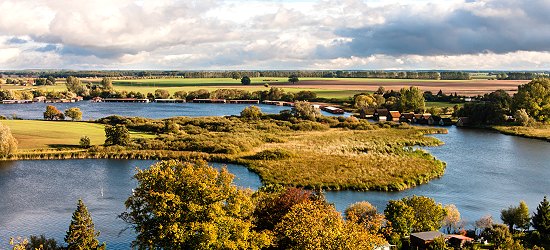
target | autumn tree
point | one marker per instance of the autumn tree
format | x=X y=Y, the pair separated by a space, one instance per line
x=117 y=135
x=365 y=214
x=365 y=103
x=235 y=75
x=74 y=113
x=534 y=97
x=317 y=225
x=484 y=222
x=452 y=220
x=400 y=216
x=162 y=94
x=180 y=94
x=304 y=110
x=8 y=143
x=107 y=84
x=76 y=86
x=190 y=205
x=52 y=113
x=82 y=234
x=251 y=113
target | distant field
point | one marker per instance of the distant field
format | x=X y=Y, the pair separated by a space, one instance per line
x=340 y=88
x=33 y=134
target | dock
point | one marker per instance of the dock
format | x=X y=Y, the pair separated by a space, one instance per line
x=279 y=103
x=244 y=101
x=209 y=101
x=17 y=101
x=170 y=100
x=126 y=100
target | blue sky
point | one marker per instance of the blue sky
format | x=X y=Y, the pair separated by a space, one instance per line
x=262 y=34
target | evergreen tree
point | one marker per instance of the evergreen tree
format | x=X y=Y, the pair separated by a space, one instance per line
x=81 y=234
x=541 y=218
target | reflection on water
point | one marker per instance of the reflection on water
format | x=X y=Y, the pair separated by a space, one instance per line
x=485 y=173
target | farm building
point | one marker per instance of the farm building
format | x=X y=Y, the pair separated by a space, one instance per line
x=380 y=113
x=421 y=118
x=394 y=116
x=421 y=240
x=458 y=241
x=407 y=117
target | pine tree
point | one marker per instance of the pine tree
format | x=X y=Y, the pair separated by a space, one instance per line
x=81 y=234
x=541 y=218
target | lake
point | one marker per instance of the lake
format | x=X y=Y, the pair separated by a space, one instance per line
x=93 y=111
x=486 y=172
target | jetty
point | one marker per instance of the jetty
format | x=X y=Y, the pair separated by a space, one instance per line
x=279 y=103
x=209 y=101
x=16 y=101
x=244 y=101
x=170 y=100
x=126 y=100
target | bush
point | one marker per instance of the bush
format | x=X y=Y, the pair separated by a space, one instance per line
x=85 y=142
x=251 y=113
x=272 y=154
x=8 y=144
x=522 y=117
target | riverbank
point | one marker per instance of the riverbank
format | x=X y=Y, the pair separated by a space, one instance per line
x=341 y=156
x=540 y=132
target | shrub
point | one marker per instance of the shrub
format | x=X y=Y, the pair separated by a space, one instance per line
x=8 y=144
x=251 y=113
x=272 y=154
x=85 y=142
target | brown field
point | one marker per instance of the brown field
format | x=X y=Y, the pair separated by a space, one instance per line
x=468 y=88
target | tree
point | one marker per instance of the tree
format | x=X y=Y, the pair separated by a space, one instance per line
x=82 y=234
x=85 y=142
x=501 y=237
x=117 y=135
x=251 y=113
x=428 y=214
x=516 y=216
x=317 y=225
x=305 y=95
x=293 y=79
x=52 y=113
x=245 y=80
x=541 y=218
x=75 y=85
x=235 y=75
x=522 y=117
x=8 y=143
x=400 y=216
x=439 y=243
x=534 y=97
x=180 y=94
x=304 y=110
x=412 y=99
x=365 y=214
x=162 y=94
x=452 y=218
x=42 y=243
x=484 y=222
x=365 y=103
x=190 y=205
x=74 y=113
x=40 y=81
x=107 y=84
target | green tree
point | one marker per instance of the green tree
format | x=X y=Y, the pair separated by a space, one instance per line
x=400 y=216
x=8 y=143
x=293 y=79
x=117 y=135
x=522 y=117
x=305 y=95
x=245 y=80
x=180 y=94
x=439 y=243
x=76 y=86
x=428 y=214
x=52 y=113
x=501 y=237
x=541 y=218
x=82 y=234
x=251 y=113
x=183 y=205
x=534 y=97
x=42 y=243
x=85 y=142
x=365 y=103
x=74 y=113
x=235 y=75
x=107 y=84
x=516 y=216
x=162 y=94
x=304 y=110
x=412 y=99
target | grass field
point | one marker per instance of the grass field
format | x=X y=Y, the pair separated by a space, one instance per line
x=33 y=134
x=541 y=132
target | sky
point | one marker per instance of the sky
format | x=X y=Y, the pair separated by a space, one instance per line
x=278 y=34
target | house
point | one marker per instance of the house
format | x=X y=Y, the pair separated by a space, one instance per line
x=458 y=241
x=421 y=118
x=463 y=121
x=421 y=240
x=407 y=117
x=394 y=116
x=381 y=113
x=445 y=122
x=434 y=120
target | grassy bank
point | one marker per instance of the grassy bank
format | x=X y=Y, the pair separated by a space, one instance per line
x=541 y=132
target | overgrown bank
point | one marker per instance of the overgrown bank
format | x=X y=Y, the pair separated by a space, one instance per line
x=323 y=153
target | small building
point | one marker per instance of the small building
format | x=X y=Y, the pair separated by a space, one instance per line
x=394 y=116
x=97 y=99
x=421 y=240
x=332 y=110
x=463 y=121
x=378 y=113
x=407 y=117
x=458 y=241
x=421 y=118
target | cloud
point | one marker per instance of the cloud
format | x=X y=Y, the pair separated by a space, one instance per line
x=283 y=34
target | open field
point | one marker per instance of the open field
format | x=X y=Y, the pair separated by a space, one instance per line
x=34 y=134
x=541 y=132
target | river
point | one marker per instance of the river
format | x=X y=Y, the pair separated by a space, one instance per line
x=486 y=172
